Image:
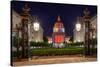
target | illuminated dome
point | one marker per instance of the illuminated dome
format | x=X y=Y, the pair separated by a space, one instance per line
x=58 y=33
x=58 y=26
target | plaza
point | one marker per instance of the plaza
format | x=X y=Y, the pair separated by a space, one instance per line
x=55 y=60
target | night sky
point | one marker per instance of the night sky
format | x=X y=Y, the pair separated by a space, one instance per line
x=47 y=14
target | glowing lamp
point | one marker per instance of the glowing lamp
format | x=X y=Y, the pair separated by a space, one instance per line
x=94 y=36
x=36 y=26
x=78 y=26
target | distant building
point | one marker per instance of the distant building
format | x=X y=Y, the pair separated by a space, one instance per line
x=67 y=39
x=58 y=38
x=58 y=35
x=16 y=20
x=79 y=36
x=50 y=40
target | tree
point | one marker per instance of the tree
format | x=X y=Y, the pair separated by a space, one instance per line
x=71 y=39
x=45 y=39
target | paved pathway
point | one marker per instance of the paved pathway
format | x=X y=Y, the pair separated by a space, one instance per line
x=55 y=59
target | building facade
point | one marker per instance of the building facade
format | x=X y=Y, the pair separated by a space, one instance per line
x=36 y=35
x=79 y=36
x=33 y=35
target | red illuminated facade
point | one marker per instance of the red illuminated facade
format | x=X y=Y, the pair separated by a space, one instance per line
x=58 y=33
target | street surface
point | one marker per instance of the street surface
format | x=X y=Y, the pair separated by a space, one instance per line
x=55 y=60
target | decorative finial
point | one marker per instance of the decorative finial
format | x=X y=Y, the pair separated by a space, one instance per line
x=26 y=9
x=86 y=12
x=58 y=19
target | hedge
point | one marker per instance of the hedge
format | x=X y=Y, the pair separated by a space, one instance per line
x=74 y=44
x=45 y=44
x=40 y=44
x=56 y=51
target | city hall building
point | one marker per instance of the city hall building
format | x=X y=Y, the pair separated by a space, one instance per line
x=58 y=35
x=59 y=38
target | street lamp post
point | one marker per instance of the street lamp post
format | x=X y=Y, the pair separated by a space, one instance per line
x=86 y=18
x=25 y=18
x=26 y=29
x=88 y=31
